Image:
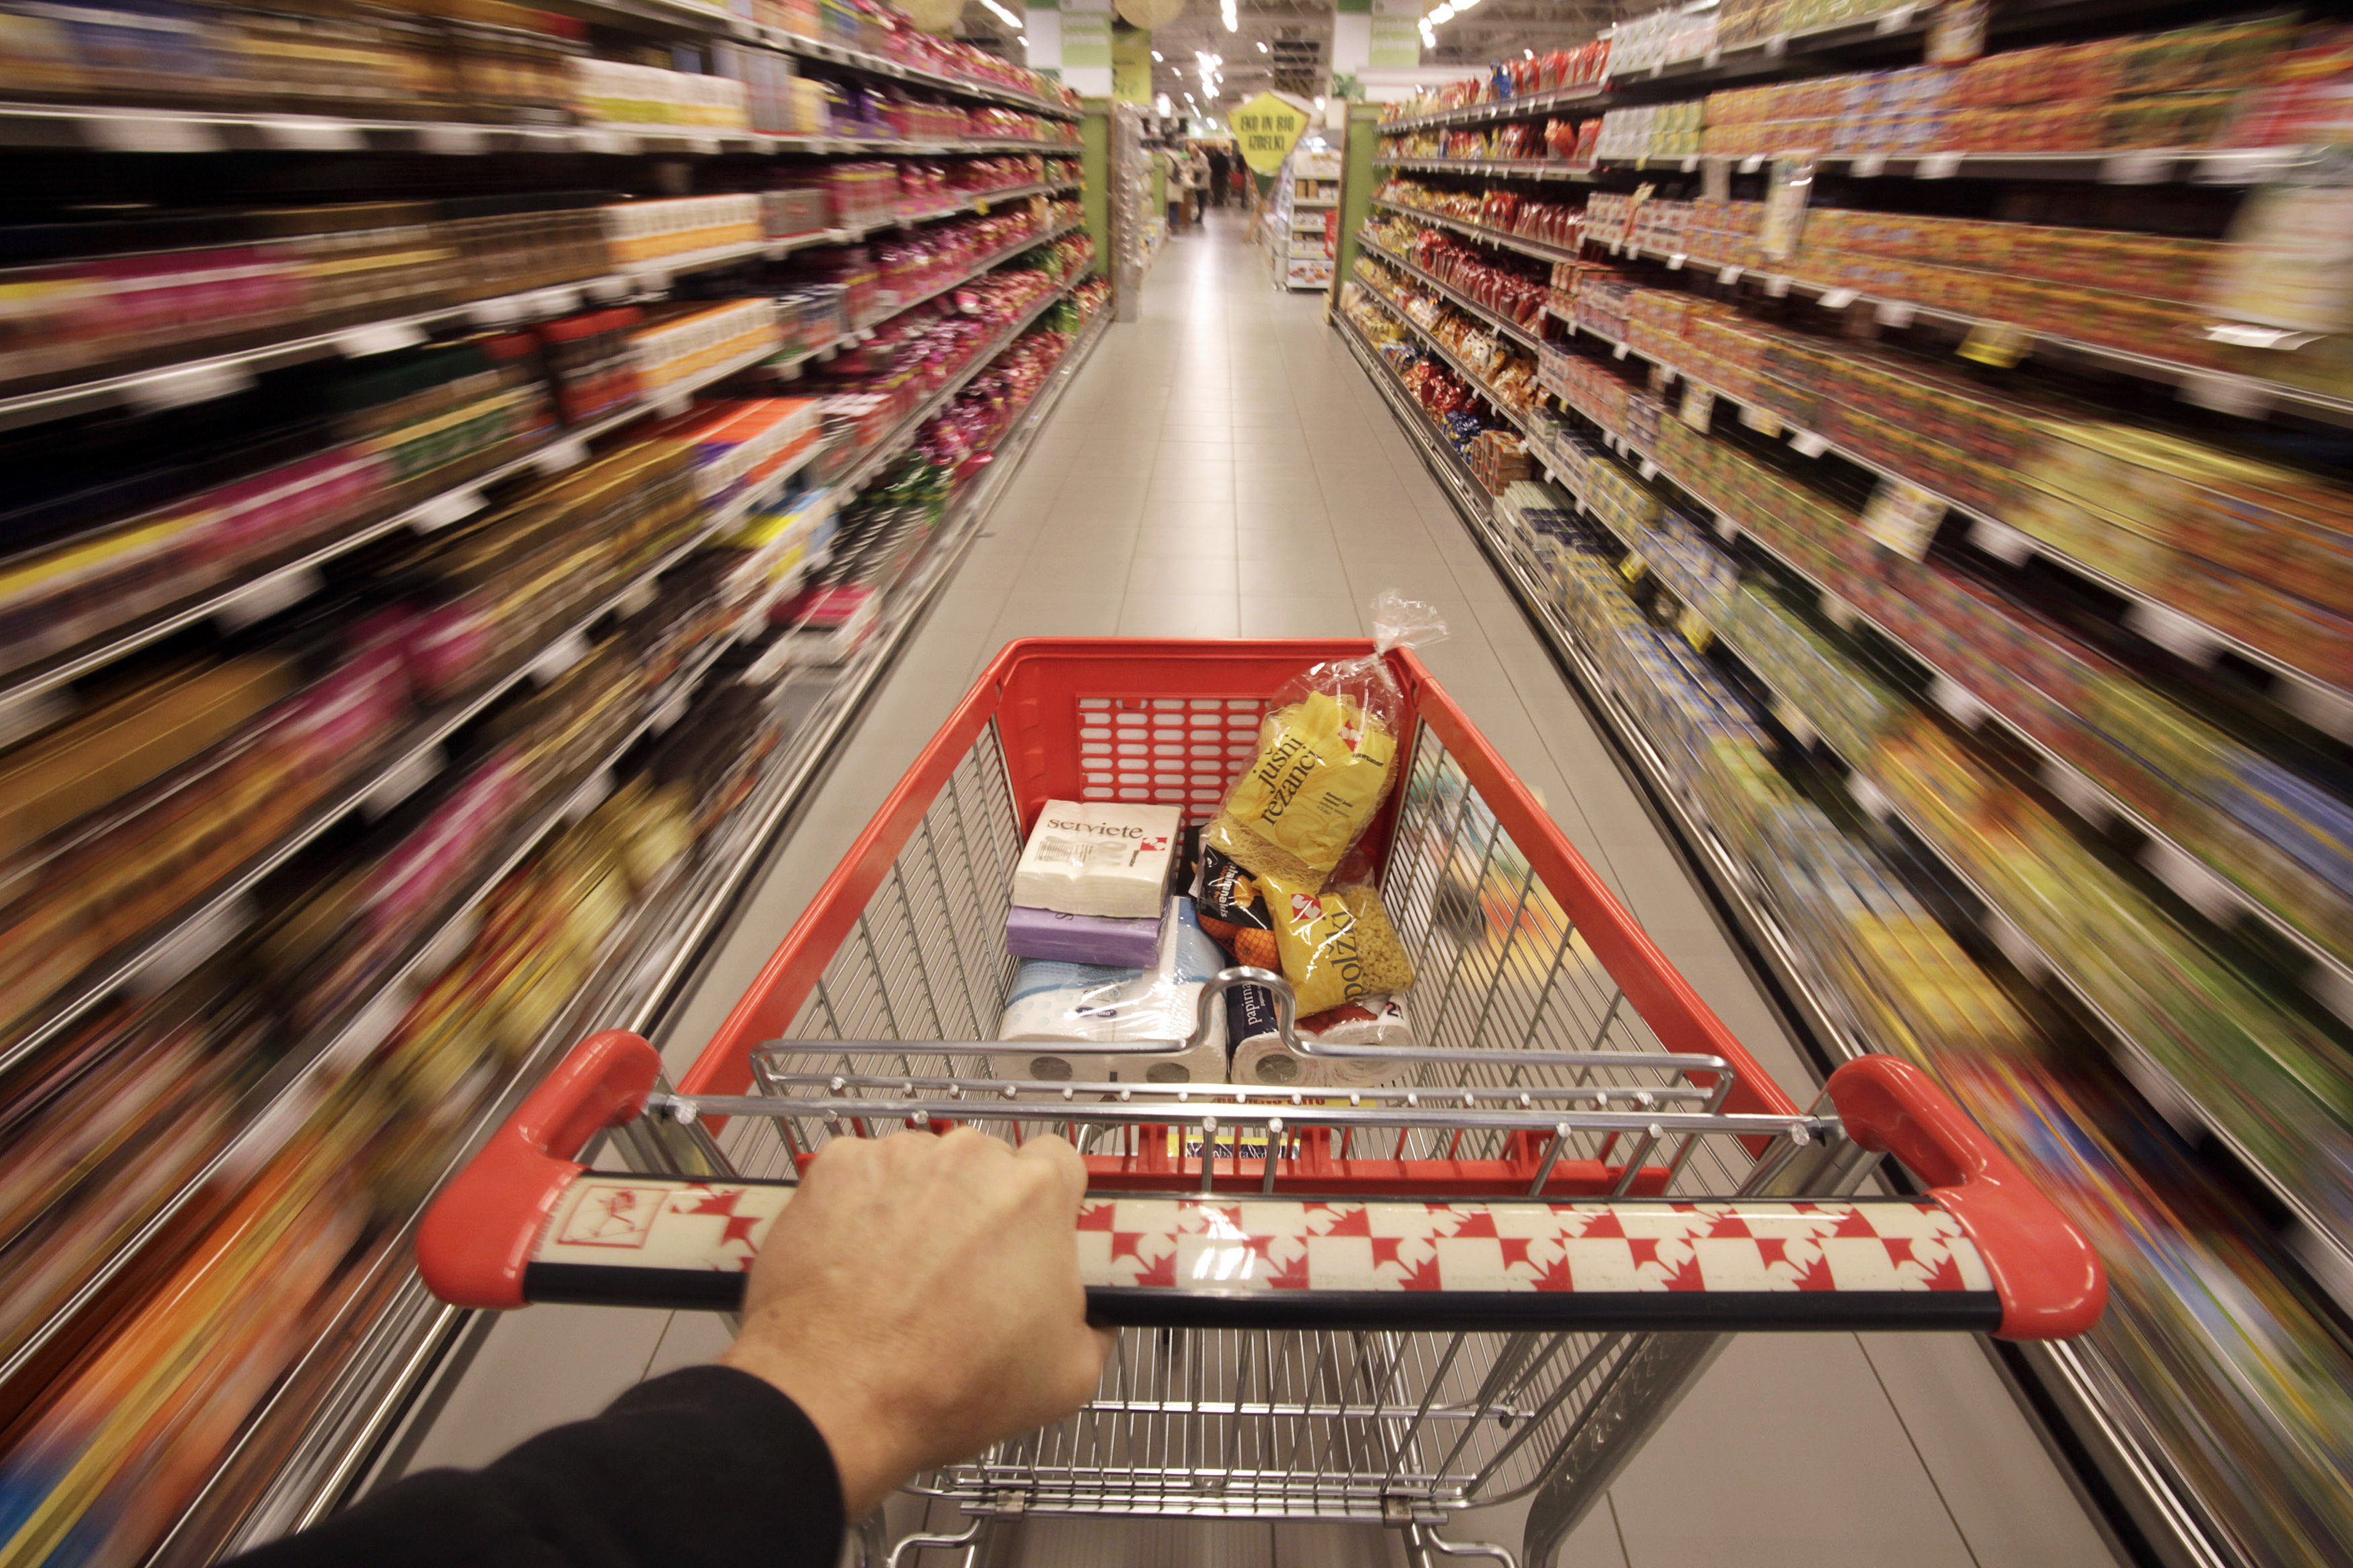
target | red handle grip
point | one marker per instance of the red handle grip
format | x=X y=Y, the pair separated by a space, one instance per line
x=480 y=1230
x=2048 y=1278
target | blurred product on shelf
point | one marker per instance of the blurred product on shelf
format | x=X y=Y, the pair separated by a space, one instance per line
x=680 y=225
x=440 y=664
x=398 y=428
x=2135 y=613
x=468 y=59
x=136 y=290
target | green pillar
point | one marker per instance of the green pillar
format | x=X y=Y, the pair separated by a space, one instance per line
x=1359 y=181
x=1094 y=177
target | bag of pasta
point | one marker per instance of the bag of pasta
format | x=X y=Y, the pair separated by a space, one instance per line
x=1337 y=945
x=1326 y=755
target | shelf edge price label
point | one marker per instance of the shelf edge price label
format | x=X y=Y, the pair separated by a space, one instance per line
x=1997 y=343
x=1695 y=630
x=2174 y=632
x=1959 y=704
x=1698 y=408
x=2006 y=545
x=1869 y=166
x=446 y=508
x=1870 y=798
x=1902 y=517
x=259 y=601
x=2193 y=882
x=1765 y=424
x=2136 y=168
x=2016 y=946
x=1895 y=313
x=1836 y=299
x=2076 y=790
x=1937 y=166
x=1806 y=444
x=1633 y=569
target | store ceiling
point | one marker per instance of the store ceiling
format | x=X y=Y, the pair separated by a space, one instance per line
x=1298 y=38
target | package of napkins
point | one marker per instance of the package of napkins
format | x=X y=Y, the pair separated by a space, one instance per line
x=1097 y=857
x=1080 y=938
x=1075 y=1004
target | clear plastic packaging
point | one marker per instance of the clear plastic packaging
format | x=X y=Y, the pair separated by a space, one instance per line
x=1337 y=945
x=1326 y=756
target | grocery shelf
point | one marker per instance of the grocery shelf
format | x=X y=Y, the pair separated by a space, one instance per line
x=1480 y=231
x=210 y=921
x=977 y=201
x=857 y=60
x=1771 y=53
x=891 y=444
x=24 y=699
x=2227 y=392
x=1518 y=168
x=117 y=128
x=2123 y=166
x=1431 y=340
x=2321 y=703
x=1736 y=882
x=2206 y=887
x=2328 y=1249
x=346 y=1425
x=654 y=274
x=215 y=376
x=2135 y=166
x=712 y=22
x=2103 y=1406
x=1508 y=328
x=298 y=1081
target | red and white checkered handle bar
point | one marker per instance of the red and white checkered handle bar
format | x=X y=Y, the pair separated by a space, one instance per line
x=525 y=1221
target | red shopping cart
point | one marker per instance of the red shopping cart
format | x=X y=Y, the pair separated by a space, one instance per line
x=1492 y=1277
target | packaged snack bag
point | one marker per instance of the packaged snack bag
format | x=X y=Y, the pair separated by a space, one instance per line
x=1233 y=910
x=1337 y=945
x=1325 y=757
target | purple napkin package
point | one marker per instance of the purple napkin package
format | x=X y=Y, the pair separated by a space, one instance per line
x=1081 y=939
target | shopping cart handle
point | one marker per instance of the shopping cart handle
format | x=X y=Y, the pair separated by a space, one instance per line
x=479 y=1231
x=2048 y=1276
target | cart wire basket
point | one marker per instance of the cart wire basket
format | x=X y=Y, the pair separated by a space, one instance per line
x=1489 y=1273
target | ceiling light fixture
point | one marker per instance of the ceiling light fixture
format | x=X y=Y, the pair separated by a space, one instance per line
x=1262 y=48
x=1227 y=13
x=1002 y=15
x=1159 y=59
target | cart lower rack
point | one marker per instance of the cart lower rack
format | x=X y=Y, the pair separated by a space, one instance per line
x=1492 y=1277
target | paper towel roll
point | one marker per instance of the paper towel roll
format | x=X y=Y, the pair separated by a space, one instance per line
x=1359 y=1072
x=1204 y=1063
x=1263 y=1061
x=1049 y=1064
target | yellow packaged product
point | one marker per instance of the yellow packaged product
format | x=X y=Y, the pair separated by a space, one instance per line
x=1325 y=756
x=1337 y=946
x=1321 y=770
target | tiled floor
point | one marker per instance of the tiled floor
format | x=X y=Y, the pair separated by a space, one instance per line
x=1223 y=468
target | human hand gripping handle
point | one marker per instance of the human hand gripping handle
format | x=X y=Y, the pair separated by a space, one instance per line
x=919 y=1299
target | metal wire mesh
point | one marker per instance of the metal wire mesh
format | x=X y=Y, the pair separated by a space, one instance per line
x=1271 y=1423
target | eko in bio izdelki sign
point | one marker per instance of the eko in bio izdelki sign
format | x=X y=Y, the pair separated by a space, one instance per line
x=1268 y=128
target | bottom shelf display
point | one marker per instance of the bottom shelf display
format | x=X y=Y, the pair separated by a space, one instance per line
x=2239 y=1376
x=206 y=1242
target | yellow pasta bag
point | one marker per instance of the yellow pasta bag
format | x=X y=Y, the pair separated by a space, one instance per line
x=1321 y=770
x=1326 y=755
x=1337 y=946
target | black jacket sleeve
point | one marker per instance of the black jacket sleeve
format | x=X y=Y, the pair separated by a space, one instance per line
x=708 y=1467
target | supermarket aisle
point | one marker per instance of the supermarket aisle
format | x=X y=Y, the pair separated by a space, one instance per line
x=1221 y=469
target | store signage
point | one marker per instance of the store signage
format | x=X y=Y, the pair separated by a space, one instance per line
x=1268 y=127
x=1131 y=66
